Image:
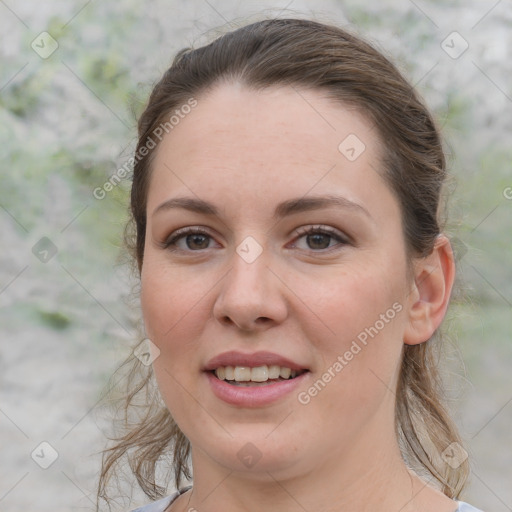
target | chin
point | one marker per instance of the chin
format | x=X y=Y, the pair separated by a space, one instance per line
x=254 y=453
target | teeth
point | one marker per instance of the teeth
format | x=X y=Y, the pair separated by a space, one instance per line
x=274 y=371
x=242 y=373
x=259 y=374
x=230 y=373
x=285 y=373
x=256 y=374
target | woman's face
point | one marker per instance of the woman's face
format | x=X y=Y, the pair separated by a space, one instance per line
x=254 y=291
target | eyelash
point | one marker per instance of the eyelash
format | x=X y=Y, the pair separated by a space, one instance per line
x=170 y=243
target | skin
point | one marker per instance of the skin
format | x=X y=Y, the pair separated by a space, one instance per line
x=245 y=152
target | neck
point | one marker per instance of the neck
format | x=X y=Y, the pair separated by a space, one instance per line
x=370 y=478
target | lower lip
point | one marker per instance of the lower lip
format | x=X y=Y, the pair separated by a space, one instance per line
x=253 y=396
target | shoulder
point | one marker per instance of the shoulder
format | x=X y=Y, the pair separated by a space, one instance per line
x=158 y=506
x=466 y=507
x=161 y=505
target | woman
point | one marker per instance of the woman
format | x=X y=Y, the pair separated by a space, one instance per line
x=293 y=274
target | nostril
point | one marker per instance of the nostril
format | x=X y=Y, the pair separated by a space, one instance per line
x=263 y=320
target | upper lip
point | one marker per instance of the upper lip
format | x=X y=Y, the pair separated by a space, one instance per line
x=235 y=358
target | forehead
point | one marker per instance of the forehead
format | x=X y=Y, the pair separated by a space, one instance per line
x=288 y=118
x=255 y=147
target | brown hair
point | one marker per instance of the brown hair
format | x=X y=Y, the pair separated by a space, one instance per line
x=322 y=57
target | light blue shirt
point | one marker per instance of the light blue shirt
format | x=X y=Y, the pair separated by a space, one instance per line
x=466 y=507
x=161 y=505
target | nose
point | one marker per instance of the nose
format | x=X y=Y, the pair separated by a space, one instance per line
x=251 y=296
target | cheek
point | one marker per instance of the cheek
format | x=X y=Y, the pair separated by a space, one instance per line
x=173 y=309
x=363 y=316
x=348 y=305
x=170 y=302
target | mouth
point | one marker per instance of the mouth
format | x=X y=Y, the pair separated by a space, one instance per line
x=264 y=375
x=258 y=379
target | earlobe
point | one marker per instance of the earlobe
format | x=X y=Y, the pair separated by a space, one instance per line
x=433 y=282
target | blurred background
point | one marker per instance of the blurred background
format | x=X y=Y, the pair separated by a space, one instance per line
x=73 y=77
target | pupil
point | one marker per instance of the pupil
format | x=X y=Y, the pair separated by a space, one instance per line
x=197 y=238
x=315 y=238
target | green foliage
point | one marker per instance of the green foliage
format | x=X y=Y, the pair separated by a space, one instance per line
x=67 y=119
x=55 y=319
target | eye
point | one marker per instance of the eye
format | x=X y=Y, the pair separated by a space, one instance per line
x=319 y=238
x=188 y=239
x=194 y=239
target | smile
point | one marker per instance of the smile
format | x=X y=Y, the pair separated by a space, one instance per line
x=259 y=375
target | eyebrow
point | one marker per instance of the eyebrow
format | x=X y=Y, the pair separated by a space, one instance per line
x=289 y=207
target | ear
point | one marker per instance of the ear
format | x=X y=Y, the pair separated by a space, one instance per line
x=430 y=292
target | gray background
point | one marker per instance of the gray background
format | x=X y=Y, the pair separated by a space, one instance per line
x=67 y=122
